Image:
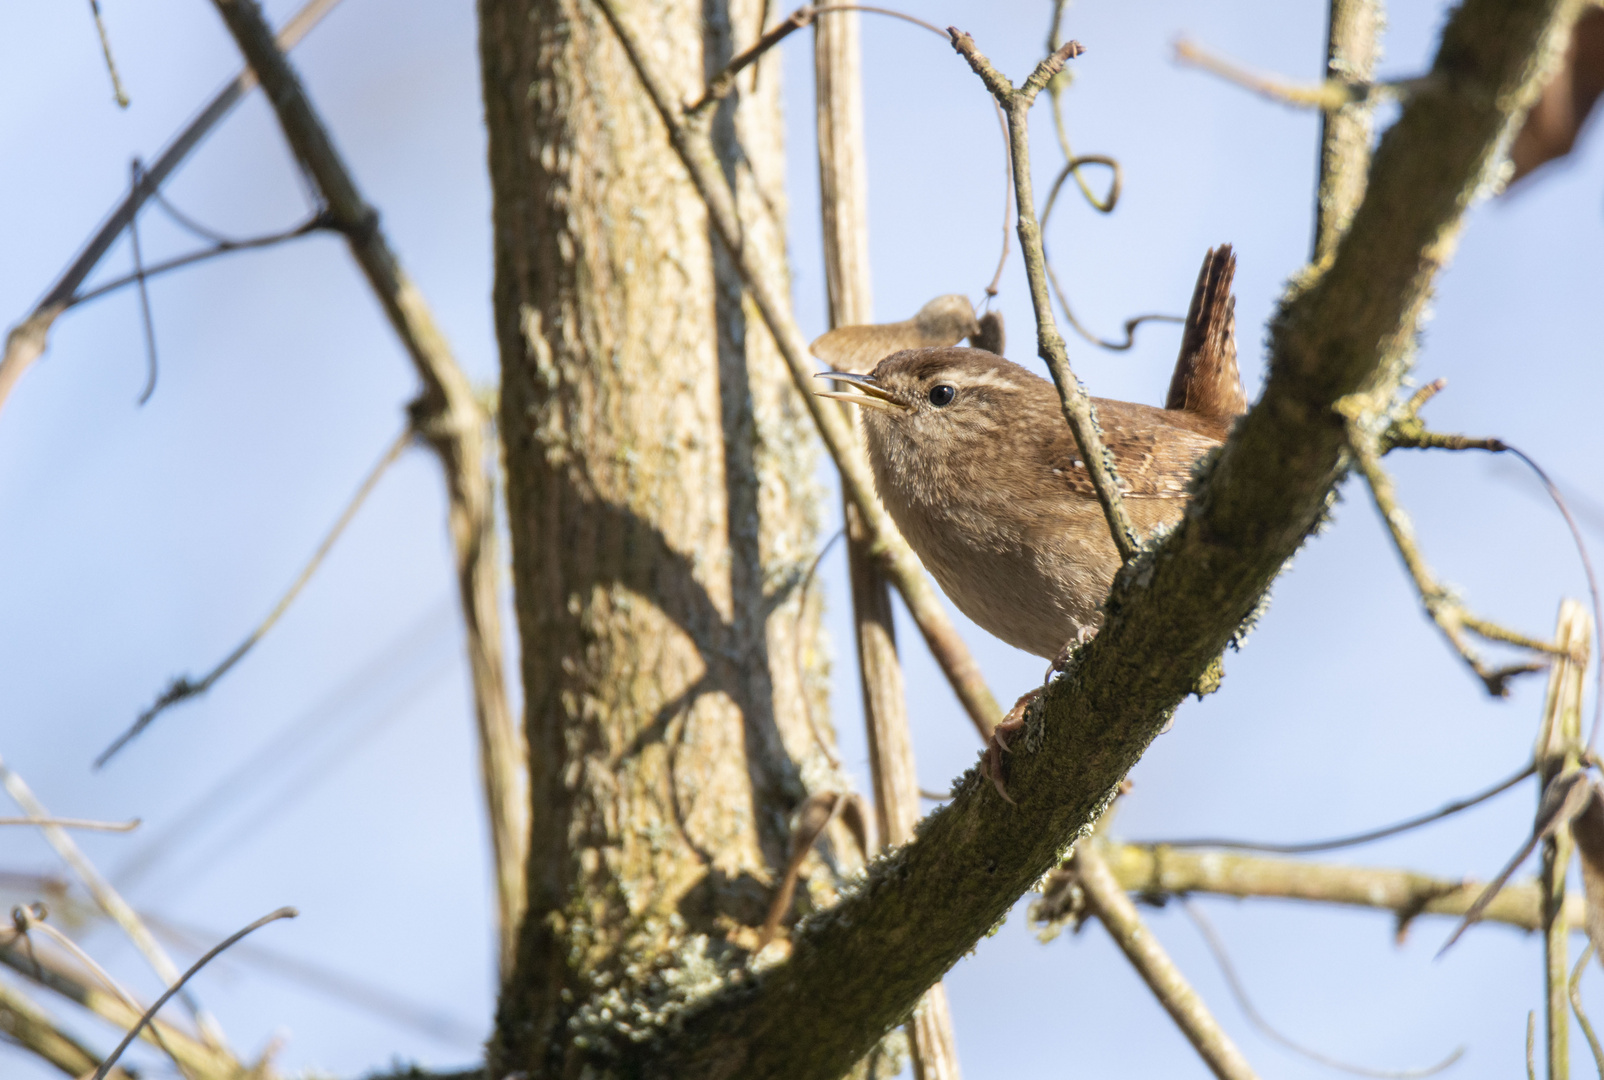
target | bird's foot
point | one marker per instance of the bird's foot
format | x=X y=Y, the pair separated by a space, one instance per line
x=993 y=766
x=1065 y=660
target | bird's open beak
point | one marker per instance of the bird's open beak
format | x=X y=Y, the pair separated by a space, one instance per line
x=862 y=390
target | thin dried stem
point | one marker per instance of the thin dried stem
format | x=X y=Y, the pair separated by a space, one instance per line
x=1329 y=95
x=184 y=688
x=105 y=50
x=150 y=1013
x=1157 y=873
x=1444 y=607
x=27 y=340
x=448 y=416
x=111 y=902
x=885 y=542
x=1233 y=982
x=1558 y=756
x=1575 y=992
x=75 y=823
x=1077 y=405
x=1354 y=839
x=1107 y=900
x=223 y=247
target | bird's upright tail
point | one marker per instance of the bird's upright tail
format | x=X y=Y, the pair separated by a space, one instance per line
x=1206 y=381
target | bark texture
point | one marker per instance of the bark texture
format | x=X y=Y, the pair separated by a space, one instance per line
x=661 y=494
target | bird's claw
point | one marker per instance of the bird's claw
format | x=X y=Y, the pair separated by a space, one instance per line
x=991 y=765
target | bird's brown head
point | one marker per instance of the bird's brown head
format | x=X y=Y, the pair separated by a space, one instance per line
x=929 y=410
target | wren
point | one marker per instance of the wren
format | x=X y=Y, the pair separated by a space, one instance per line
x=974 y=461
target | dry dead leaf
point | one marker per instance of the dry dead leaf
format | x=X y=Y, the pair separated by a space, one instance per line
x=946 y=320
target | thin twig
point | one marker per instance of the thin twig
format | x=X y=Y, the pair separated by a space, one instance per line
x=1445 y=609
x=1238 y=991
x=1114 y=910
x=150 y=1013
x=223 y=247
x=1327 y=95
x=144 y=296
x=27 y=340
x=720 y=86
x=75 y=823
x=1531 y=1039
x=1592 y=585
x=695 y=152
x=105 y=49
x=183 y=688
x=1077 y=406
x=111 y=902
x=1575 y=990
x=1357 y=838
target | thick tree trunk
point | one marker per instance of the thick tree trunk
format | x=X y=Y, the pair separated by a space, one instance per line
x=661 y=490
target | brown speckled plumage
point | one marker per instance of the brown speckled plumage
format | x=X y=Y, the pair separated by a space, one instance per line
x=989 y=488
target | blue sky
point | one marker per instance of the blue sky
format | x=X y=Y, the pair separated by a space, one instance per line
x=143 y=542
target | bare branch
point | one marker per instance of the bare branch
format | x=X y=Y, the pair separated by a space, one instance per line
x=26 y=341
x=1079 y=412
x=448 y=417
x=1156 y=873
x=1440 y=602
x=1106 y=900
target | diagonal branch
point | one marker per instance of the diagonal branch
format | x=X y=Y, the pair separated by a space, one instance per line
x=1107 y=900
x=450 y=419
x=883 y=540
x=858 y=969
x=1353 y=32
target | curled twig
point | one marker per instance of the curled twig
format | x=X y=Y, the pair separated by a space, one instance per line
x=183 y=688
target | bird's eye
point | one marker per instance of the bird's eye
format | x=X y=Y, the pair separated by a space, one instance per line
x=942 y=395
